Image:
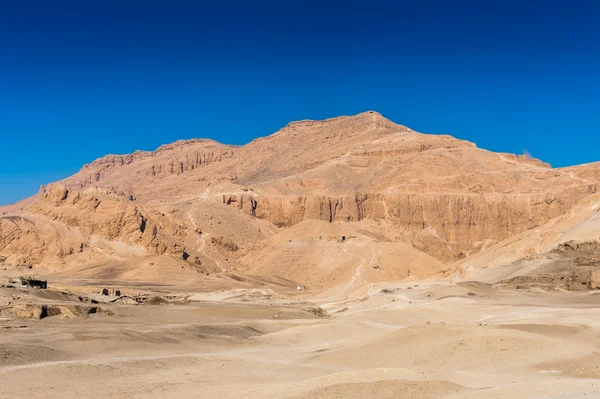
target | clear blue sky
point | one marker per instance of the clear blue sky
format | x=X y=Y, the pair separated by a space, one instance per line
x=80 y=79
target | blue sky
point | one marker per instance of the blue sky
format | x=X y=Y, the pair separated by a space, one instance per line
x=80 y=79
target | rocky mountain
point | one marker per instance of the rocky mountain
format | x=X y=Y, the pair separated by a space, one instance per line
x=346 y=200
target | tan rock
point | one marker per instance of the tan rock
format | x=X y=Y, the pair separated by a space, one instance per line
x=28 y=311
x=432 y=195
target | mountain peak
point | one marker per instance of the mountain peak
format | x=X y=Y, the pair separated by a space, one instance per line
x=367 y=118
x=370 y=112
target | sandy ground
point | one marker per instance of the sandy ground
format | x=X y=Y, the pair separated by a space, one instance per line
x=417 y=340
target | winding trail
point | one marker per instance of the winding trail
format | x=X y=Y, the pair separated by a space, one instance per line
x=201 y=242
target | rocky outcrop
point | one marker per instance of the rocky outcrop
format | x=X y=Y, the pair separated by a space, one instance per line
x=174 y=166
x=24 y=242
x=457 y=221
x=224 y=243
x=124 y=172
x=112 y=219
x=86 y=215
x=33 y=311
x=526 y=159
x=178 y=166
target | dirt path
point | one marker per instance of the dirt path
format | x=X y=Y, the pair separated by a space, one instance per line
x=201 y=243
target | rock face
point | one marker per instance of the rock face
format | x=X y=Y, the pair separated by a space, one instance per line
x=434 y=194
x=452 y=212
x=182 y=157
x=453 y=220
x=33 y=311
x=112 y=219
x=62 y=222
x=225 y=243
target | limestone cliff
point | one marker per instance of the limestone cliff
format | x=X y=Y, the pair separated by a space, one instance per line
x=457 y=221
x=77 y=216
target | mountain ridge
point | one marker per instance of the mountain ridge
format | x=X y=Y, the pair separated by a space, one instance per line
x=431 y=197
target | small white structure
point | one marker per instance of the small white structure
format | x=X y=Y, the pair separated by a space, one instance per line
x=300 y=288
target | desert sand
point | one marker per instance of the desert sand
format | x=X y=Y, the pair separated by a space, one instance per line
x=395 y=340
x=427 y=268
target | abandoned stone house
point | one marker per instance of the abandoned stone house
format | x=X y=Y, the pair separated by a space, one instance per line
x=34 y=283
x=583 y=280
x=110 y=292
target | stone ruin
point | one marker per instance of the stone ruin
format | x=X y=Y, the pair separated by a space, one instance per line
x=583 y=280
x=110 y=292
x=33 y=282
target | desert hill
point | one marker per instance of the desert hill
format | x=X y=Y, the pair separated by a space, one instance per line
x=339 y=202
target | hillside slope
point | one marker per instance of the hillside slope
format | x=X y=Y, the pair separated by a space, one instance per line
x=409 y=204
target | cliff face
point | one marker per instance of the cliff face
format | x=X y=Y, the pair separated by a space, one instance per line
x=63 y=222
x=433 y=193
x=131 y=175
x=457 y=221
